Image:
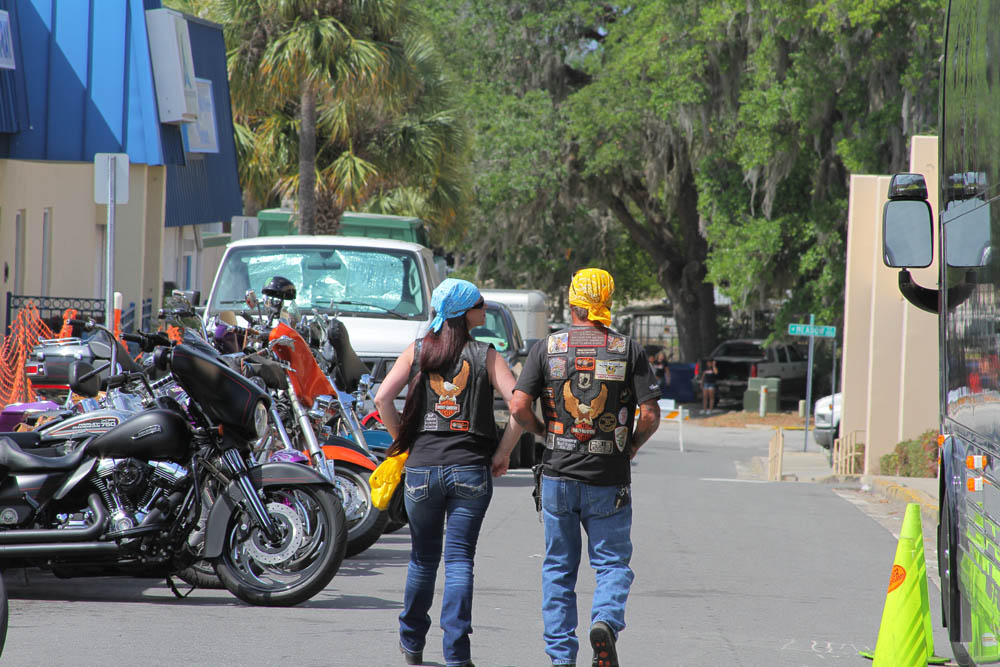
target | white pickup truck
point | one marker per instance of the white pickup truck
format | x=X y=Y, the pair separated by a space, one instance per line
x=740 y=359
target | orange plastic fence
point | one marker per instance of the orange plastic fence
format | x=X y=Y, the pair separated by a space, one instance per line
x=25 y=332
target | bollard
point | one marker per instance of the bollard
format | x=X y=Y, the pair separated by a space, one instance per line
x=802 y=408
x=762 y=407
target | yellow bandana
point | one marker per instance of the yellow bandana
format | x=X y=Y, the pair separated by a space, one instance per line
x=592 y=289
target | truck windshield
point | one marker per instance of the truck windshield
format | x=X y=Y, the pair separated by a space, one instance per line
x=353 y=281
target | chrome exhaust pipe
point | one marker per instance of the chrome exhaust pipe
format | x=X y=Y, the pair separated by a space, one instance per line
x=39 y=536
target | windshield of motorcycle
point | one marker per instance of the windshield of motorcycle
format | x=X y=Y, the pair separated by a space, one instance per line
x=353 y=281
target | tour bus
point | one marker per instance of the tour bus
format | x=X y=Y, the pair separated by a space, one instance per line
x=968 y=308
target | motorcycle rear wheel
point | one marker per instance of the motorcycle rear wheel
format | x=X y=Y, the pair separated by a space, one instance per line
x=307 y=556
x=365 y=523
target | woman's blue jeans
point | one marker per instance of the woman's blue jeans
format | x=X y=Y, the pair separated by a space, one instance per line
x=436 y=495
x=566 y=506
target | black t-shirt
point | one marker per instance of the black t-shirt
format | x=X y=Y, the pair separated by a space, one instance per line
x=603 y=470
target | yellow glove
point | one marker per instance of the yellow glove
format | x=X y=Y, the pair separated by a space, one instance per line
x=385 y=478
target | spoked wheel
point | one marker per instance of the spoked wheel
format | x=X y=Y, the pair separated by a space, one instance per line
x=308 y=553
x=365 y=523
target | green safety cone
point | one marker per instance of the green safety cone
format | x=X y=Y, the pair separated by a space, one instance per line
x=905 y=636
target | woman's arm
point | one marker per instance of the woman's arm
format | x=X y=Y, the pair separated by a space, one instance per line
x=394 y=381
x=503 y=381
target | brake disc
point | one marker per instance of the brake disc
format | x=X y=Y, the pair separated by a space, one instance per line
x=292 y=535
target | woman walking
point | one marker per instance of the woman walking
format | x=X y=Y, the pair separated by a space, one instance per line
x=448 y=428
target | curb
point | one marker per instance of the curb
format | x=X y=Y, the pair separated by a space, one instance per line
x=892 y=491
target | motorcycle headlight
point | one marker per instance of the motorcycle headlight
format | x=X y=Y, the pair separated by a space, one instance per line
x=260 y=419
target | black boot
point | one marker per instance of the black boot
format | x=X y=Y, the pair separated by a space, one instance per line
x=602 y=639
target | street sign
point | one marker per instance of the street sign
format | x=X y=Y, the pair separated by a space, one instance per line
x=812 y=330
x=102 y=174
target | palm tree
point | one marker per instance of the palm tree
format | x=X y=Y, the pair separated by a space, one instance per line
x=284 y=54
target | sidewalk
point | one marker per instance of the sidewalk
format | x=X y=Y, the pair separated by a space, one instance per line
x=814 y=466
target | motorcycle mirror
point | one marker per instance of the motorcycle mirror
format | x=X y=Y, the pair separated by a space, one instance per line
x=251 y=298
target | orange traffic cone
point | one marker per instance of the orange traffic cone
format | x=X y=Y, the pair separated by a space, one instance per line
x=905 y=636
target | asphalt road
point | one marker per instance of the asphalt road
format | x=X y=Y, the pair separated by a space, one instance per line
x=729 y=571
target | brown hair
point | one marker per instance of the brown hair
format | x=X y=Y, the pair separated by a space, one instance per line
x=438 y=351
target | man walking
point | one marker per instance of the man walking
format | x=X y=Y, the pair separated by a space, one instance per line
x=590 y=379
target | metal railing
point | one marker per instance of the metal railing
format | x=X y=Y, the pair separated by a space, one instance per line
x=848 y=454
x=775 y=452
x=51 y=309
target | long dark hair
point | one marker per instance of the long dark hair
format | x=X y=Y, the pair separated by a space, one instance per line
x=438 y=353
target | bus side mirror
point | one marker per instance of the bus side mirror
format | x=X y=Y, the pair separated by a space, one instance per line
x=907 y=224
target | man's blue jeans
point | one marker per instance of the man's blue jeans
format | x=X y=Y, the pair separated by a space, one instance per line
x=567 y=505
x=434 y=495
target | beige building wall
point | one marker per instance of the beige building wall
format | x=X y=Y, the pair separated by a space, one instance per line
x=64 y=191
x=890 y=363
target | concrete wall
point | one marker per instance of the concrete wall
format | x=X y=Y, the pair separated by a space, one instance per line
x=890 y=365
x=66 y=191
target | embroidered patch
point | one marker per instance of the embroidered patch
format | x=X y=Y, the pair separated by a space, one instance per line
x=550 y=440
x=584 y=363
x=549 y=392
x=446 y=408
x=600 y=447
x=584 y=380
x=459 y=425
x=617 y=344
x=623 y=416
x=586 y=337
x=556 y=427
x=557 y=368
x=549 y=403
x=449 y=390
x=586 y=352
x=558 y=343
x=430 y=422
x=621 y=437
x=626 y=395
x=610 y=370
x=607 y=422
x=565 y=444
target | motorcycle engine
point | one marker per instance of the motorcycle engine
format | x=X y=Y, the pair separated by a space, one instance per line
x=130 y=488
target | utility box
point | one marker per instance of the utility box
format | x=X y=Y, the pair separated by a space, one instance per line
x=276 y=222
x=751 y=397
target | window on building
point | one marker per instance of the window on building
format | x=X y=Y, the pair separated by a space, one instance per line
x=46 y=251
x=20 y=240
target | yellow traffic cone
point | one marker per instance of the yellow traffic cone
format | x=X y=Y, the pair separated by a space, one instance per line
x=905 y=636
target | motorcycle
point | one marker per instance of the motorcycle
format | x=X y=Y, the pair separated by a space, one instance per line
x=132 y=500
x=306 y=402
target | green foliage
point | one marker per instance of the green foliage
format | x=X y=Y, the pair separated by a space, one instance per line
x=913 y=458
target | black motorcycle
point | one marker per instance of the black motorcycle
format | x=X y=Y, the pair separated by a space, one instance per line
x=171 y=485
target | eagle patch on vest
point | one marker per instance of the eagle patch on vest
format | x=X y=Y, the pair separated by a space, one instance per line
x=448 y=391
x=583 y=413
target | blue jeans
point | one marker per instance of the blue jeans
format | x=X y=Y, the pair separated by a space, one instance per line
x=567 y=505
x=458 y=495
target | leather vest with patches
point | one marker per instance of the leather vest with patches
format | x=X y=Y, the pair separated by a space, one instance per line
x=461 y=400
x=587 y=393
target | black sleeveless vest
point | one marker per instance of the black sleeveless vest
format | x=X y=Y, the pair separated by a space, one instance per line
x=586 y=400
x=461 y=400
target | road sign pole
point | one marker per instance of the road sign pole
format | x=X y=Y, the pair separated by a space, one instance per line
x=109 y=244
x=809 y=379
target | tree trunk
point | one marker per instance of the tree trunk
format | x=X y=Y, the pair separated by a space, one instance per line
x=328 y=212
x=307 y=160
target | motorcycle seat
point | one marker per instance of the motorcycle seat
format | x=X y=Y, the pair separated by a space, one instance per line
x=16 y=460
x=351 y=368
x=25 y=439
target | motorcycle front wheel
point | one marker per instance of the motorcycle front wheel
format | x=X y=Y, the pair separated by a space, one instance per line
x=365 y=523
x=308 y=553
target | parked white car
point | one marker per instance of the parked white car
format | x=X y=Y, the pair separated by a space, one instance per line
x=826 y=413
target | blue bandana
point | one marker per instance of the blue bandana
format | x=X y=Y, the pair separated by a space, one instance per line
x=453 y=297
